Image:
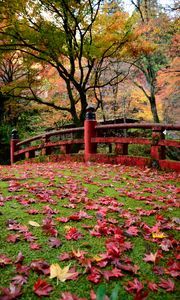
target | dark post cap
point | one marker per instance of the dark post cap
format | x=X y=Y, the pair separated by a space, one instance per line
x=90 y=113
x=90 y=108
x=14 y=134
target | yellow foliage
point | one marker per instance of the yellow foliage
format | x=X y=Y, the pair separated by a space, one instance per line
x=62 y=274
x=159 y=235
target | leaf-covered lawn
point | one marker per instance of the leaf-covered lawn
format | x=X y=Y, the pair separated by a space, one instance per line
x=67 y=229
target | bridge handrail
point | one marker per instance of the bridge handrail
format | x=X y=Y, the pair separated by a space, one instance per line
x=49 y=134
x=139 y=125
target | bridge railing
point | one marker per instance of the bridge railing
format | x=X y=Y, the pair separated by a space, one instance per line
x=117 y=137
x=45 y=143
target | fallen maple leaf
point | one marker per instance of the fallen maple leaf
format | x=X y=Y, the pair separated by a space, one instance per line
x=158 y=270
x=69 y=296
x=62 y=219
x=159 y=235
x=142 y=295
x=34 y=224
x=42 y=288
x=153 y=257
x=173 y=269
x=152 y=286
x=4 y=260
x=95 y=275
x=168 y=285
x=132 y=231
x=20 y=257
x=62 y=274
x=166 y=244
x=54 y=242
x=19 y=279
x=78 y=254
x=32 y=211
x=134 y=286
x=64 y=256
x=11 y=293
x=40 y=266
x=22 y=269
x=73 y=234
x=13 y=238
x=35 y=246
x=112 y=273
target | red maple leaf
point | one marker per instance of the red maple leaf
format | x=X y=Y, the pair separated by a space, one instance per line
x=153 y=257
x=132 y=231
x=54 y=242
x=48 y=227
x=74 y=275
x=10 y=293
x=19 y=258
x=173 y=269
x=168 y=285
x=142 y=295
x=95 y=275
x=158 y=270
x=134 y=286
x=42 y=288
x=62 y=219
x=152 y=286
x=19 y=279
x=75 y=217
x=28 y=236
x=40 y=266
x=4 y=260
x=166 y=244
x=64 y=256
x=112 y=273
x=69 y=296
x=47 y=210
x=13 y=238
x=73 y=234
x=32 y=211
x=129 y=268
x=35 y=246
x=22 y=269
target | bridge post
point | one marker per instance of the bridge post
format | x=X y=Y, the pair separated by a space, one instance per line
x=89 y=132
x=121 y=149
x=157 y=151
x=13 y=143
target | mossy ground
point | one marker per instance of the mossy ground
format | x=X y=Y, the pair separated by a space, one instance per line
x=77 y=183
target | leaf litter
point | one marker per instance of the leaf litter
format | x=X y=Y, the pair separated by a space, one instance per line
x=112 y=205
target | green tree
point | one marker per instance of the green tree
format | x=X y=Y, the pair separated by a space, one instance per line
x=69 y=36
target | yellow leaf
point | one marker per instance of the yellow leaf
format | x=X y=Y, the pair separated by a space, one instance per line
x=62 y=274
x=159 y=235
x=67 y=227
x=76 y=253
x=34 y=224
x=97 y=258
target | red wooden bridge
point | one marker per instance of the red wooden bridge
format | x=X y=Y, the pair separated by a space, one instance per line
x=90 y=138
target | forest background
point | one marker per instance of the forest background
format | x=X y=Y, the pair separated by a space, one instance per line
x=56 y=57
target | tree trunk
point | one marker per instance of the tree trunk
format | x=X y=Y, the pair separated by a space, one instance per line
x=152 y=101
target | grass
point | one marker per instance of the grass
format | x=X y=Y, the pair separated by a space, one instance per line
x=135 y=192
